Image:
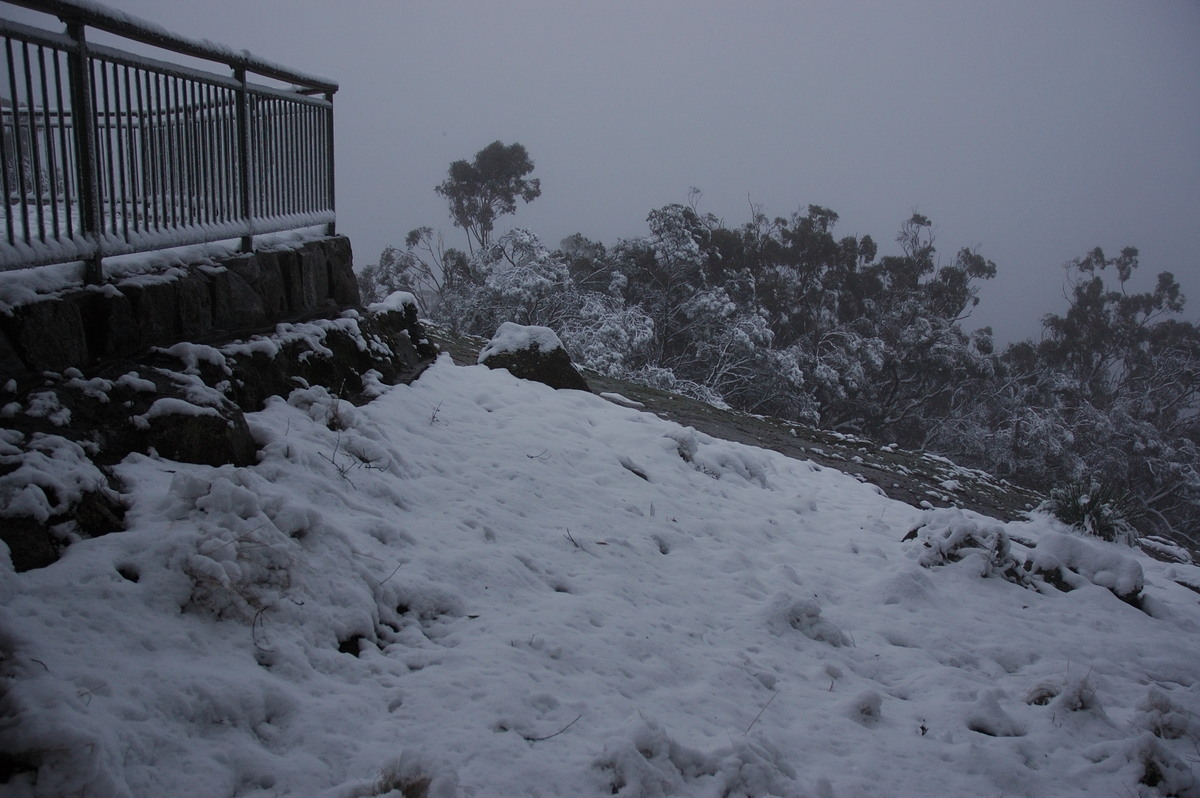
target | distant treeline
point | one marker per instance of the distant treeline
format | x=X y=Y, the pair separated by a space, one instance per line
x=781 y=317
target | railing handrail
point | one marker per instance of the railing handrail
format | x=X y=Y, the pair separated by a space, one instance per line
x=140 y=30
x=61 y=40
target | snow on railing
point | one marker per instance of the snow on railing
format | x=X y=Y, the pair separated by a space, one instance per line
x=107 y=152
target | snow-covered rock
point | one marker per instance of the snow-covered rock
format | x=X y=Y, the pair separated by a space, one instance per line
x=532 y=353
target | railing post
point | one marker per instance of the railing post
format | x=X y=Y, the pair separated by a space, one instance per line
x=243 y=165
x=332 y=227
x=90 y=221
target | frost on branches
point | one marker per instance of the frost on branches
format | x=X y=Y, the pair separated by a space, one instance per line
x=782 y=317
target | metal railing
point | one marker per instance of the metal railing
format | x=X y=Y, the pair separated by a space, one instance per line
x=106 y=152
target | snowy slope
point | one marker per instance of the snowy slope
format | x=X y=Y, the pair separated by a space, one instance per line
x=490 y=588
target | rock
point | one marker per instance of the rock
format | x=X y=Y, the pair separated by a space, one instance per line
x=532 y=353
x=235 y=302
x=195 y=305
x=314 y=276
x=156 y=308
x=288 y=263
x=10 y=361
x=111 y=324
x=262 y=272
x=31 y=544
x=185 y=403
x=49 y=335
x=212 y=438
x=343 y=286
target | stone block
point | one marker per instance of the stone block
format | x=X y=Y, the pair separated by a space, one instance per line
x=269 y=284
x=10 y=362
x=245 y=266
x=195 y=305
x=235 y=303
x=49 y=335
x=314 y=275
x=343 y=285
x=293 y=279
x=111 y=325
x=156 y=308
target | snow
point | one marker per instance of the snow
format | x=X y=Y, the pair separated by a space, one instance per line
x=511 y=337
x=25 y=286
x=1100 y=565
x=617 y=398
x=168 y=407
x=395 y=301
x=507 y=590
x=46 y=480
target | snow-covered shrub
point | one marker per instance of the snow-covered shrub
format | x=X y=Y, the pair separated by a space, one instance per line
x=1098 y=509
x=717 y=458
x=237 y=569
x=1161 y=770
x=602 y=333
x=1069 y=562
x=950 y=536
x=666 y=379
x=785 y=613
x=866 y=708
x=416 y=776
x=515 y=278
x=1079 y=695
x=649 y=764
x=1162 y=717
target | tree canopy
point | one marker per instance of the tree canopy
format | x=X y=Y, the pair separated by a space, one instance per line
x=479 y=191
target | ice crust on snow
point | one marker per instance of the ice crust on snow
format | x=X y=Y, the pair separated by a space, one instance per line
x=511 y=337
x=463 y=583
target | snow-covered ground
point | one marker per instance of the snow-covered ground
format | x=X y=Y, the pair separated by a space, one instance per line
x=503 y=590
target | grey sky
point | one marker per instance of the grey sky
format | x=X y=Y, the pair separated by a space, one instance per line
x=1033 y=130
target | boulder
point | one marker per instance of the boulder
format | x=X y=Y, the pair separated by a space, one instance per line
x=179 y=430
x=532 y=353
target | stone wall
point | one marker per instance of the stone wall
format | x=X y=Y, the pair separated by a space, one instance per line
x=208 y=302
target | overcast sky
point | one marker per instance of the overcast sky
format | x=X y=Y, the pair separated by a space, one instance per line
x=1033 y=130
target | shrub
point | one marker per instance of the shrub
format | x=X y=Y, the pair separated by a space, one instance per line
x=1097 y=509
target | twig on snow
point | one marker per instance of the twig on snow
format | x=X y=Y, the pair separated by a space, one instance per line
x=761 y=711
x=393 y=573
x=560 y=731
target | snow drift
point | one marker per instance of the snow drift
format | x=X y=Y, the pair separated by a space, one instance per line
x=478 y=586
